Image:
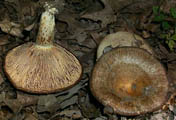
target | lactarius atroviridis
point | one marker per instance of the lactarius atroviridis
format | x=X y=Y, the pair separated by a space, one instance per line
x=127 y=77
x=42 y=67
x=130 y=81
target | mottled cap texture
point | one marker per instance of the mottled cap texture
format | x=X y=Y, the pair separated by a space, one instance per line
x=122 y=39
x=130 y=81
x=42 y=69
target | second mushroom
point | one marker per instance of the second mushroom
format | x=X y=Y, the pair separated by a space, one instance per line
x=128 y=78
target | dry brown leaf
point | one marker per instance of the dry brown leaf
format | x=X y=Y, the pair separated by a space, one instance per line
x=1 y=79
x=71 y=101
x=172 y=73
x=167 y=4
x=13 y=104
x=47 y=103
x=30 y=117
x=62 y=96
x=103 y=118
x=106 y=16
x=161 y=52
x=151 y=27
x=171 y=56
x=131 y=5
x=4 y=40
x=81 y=37
x=1 y=70
x=75 y=114
x=11 y=28
x=160 y=116
x=74 y=26
x=88 y=109
x=30 y=27
x=87 y=61
x=96 y=37
x=5 y=114
x=26 y=99
x=145 y=34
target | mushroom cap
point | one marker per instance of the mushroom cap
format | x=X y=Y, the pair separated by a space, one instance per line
x=130 y=81
x=42 y=69
x=122 y=39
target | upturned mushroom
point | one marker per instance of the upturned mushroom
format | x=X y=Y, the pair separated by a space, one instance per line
x=130 y=81
x=122 y=39
x=42 y=67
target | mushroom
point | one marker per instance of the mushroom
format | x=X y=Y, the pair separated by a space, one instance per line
x=130 y=81
x=42 y=67
x=121 y=39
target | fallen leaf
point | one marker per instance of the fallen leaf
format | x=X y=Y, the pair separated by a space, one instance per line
x=172 y=72
x=102 y=118
x=71 y=101
x=14 y=105
x=106 y=16
x=2 y=97
x=145 y=34
x=75 y=114
x=74 y=26
x=26 y=99
x=1 y=79
x=30 y=27
x=62 y=96
x=96 y=37
x=159 y=116
x=88 y=110
x=11 y=28
x=4 y=40
x=5 y=114
x=81 y=37
x=89 y=43
x=47 y=103
x=30 y=117
x=166 y=5
x=135 y=6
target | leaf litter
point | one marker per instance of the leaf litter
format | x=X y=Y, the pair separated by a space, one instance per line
x=80 y=27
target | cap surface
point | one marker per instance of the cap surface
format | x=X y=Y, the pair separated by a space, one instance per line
x=36 y=69
x=121 y=39
x=129 y=80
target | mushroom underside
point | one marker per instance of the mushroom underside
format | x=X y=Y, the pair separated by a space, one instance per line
x=39 y=69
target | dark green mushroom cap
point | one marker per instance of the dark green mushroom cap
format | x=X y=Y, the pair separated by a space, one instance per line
x=130 y=81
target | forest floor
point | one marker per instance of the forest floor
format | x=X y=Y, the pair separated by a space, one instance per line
x=80 y=27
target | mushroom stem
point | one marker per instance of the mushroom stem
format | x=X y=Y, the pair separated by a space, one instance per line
x=46 y=30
